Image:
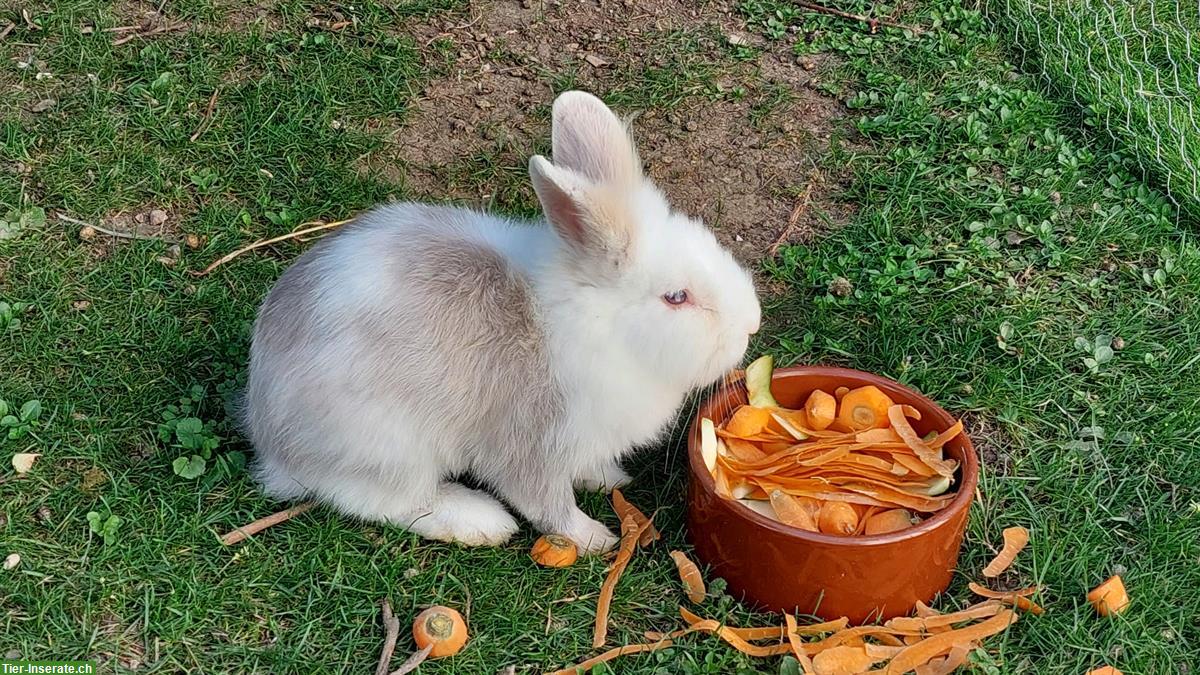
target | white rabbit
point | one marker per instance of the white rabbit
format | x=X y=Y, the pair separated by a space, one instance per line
x=421 y=343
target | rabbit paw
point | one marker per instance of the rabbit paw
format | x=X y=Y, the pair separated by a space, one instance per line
x=466 y=516
x=591 y=537
x=603 y=478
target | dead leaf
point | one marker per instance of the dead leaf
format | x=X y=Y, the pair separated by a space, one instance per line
x=22 y=462
x=596 y=61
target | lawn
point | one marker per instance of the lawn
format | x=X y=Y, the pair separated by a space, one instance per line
x=987 y=249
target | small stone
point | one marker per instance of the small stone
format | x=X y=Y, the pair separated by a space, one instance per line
x=43 y=514
x=12 y=561
x=411 y=572
x=174 y=251
x=139 y=218
x=737 y=40
x=1120 y=570
x=157 y=217
x=12 y=654
x=192 y=241
x=483 y=103
x=805 y=63
x=1056 y=197
x=840 y=287
x=87 y=233
x=1118 y=343
x=80 y=305
x=692 y=125
x=596 y=61
x=572 y=46
x=43 y=105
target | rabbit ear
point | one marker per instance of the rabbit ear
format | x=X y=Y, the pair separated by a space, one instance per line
x=590 y=218
x=589 y=139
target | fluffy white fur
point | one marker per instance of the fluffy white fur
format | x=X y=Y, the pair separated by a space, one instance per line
x=423 y=343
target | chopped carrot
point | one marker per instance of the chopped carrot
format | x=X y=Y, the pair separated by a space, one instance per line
x=864 y=408
x=623 y=508
x=932 y=647
x=586 y=666
x=843 y=660
x=441 y=629
x=1015 y=539
x=736 y=641
x=837 y=518
x=841 y=392
x=631 y=532
x=912 y=412
x=821 y=409
x=744 y=450
x=1105 y=670
x=957 y=658
x=927 y=454
x=1019 y=599
x=748 y=421
x=912 y=623
x=797 y=645
x=1109 y=598
x=689 y=574
x=795 y=511
x=890 y=521
x=551 y=550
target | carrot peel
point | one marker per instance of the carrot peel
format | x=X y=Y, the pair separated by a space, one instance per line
x=1015 y=539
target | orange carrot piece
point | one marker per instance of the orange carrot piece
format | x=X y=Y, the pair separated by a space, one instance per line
x=1109 y=598
x=623 y=508
x=910 y=411
x=885 y=435
x=840 y=392
x=1105 y=670
x=946 y=436
x=853 y=636
x=844 y=660
x=586 y=666
x=704 y=626
x=889 y=521
x=797 y=645
x=1019 y=599
x=631 y=532
x=924 y=611
x=745 y=451
x=864 y=408
x=794 y=511
x=821 y=409
x=1015 y=539
x=748 y=421
x=735 y=640
x=927 y=454
x=689 y=574
x=837 y=518
x=932 y=647
x=957 y=658
x=912 y=623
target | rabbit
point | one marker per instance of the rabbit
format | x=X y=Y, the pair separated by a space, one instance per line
x=422 y=343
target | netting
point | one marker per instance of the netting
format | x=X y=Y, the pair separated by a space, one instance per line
x=1134 y=66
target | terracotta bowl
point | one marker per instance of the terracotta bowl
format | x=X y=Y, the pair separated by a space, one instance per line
x=780 y=568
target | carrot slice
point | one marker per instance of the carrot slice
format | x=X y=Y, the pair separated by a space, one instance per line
x=744 y=450
x=1109 y=597
x=1019 y=599
x=795 y=511
x=623 y=508
x=837 y=518
x=585 y=666
x=631 y=532
x=735 y=640
x=889 y=521
x=927 y=454
x=864 y=408
x=935 y=646
x=912 y=623
x=844 y=660
x=689 y=574
x=821 y=409
x=797 y=645
x=748 y=421
x=912 y=412
x=841 y=392
x=1015 y=539
x=1105 y=670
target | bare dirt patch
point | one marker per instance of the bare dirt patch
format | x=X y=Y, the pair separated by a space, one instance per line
x=728 y=124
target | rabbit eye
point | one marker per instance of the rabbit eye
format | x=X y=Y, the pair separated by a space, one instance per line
x=676 y=297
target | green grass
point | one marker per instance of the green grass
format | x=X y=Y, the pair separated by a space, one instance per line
x=982 y=213
x=1132 y=66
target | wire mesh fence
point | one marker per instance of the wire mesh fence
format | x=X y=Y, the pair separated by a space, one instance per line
x=1132 y=65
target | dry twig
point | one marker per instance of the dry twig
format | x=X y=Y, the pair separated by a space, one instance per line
x=872 y=23
x=267 y=242
x=245 y=531
x=155 y=31
x=204 y=121
x=117 y=233
x=802 y=205
x=413 y=661
x=392 y=627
